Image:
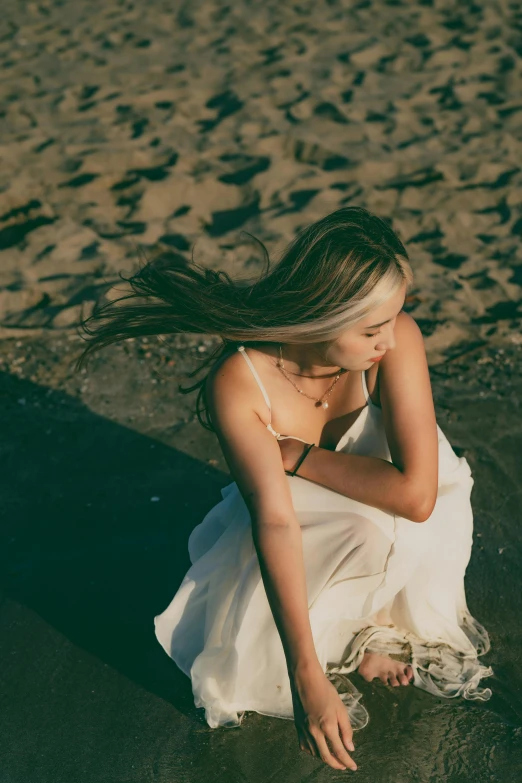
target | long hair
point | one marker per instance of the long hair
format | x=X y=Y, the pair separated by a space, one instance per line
x=328 y=278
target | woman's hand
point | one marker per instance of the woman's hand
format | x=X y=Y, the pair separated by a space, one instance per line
x=291 y=450
x=321 y=720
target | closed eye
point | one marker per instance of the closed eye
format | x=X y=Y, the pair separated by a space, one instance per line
x=374 y=334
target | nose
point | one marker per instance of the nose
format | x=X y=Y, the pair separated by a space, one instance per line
x=387 y=338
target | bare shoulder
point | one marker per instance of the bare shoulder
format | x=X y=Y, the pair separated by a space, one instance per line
x=409 y=347
x=250 y=450
x=407 y=361
x=404 y=369
x=408 y=412
x=407 y=331
x=226 y=367
x=409 y=351
x=231 y=387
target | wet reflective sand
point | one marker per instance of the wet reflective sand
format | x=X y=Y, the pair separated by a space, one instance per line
x=95 y=525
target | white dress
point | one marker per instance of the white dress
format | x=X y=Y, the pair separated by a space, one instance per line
x=375 y=581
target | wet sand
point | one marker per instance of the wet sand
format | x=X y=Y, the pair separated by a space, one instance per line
x=106 y=474
x=139 y=125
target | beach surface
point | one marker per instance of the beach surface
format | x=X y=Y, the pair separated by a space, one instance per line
x=105 y=475
x=176 y=129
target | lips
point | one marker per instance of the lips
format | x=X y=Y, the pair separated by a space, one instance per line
x=376 y=358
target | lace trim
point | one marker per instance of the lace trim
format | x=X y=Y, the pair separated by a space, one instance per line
x=438 y=667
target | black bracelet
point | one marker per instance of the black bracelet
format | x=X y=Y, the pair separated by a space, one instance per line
x=300 y=461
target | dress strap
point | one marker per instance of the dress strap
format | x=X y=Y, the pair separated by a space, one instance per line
x=365 y=387
x=242 y=350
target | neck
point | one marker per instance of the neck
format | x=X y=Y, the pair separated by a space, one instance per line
x=306 y=360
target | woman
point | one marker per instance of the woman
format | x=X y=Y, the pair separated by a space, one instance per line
x=345 y=535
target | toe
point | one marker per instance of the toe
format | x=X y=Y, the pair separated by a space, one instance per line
x=403 y=678
x=364 y=673
x=393 y=680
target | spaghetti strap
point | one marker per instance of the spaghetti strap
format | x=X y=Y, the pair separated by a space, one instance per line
x=365 y=388
x=242 y=350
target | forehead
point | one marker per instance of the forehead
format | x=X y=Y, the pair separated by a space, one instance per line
x=385 y=311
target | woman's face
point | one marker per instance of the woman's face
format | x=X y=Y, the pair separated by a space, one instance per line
x=370 y=338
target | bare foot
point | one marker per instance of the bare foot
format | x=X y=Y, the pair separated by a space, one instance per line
x=397 y=672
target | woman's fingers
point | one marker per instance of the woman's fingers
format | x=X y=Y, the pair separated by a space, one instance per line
x=305 y=747
x=339 y=759
x=345 y=730
x=322 y=722
x=340 y=751
x=324 y=752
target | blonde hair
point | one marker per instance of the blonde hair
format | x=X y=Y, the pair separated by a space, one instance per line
x=328 y=278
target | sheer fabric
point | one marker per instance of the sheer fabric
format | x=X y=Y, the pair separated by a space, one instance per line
x=375 y=581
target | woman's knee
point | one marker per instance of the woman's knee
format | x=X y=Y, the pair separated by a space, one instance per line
x=371 y=538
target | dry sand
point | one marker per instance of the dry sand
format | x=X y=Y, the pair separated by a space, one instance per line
x=171 y=126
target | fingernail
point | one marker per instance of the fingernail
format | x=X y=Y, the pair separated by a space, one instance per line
x=351 y=746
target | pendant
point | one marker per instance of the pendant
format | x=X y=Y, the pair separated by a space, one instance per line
x=325 y=404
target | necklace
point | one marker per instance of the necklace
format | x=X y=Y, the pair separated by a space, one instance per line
x=321 y=402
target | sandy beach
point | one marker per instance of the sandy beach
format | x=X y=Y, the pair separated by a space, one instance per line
x=137 y=124
x=177 y=128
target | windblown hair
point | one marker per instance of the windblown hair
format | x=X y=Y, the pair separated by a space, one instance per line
x=328 y=278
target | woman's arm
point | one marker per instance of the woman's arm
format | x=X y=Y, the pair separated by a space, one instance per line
x=369 y=480
x=253 y=456
x=407 y=486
